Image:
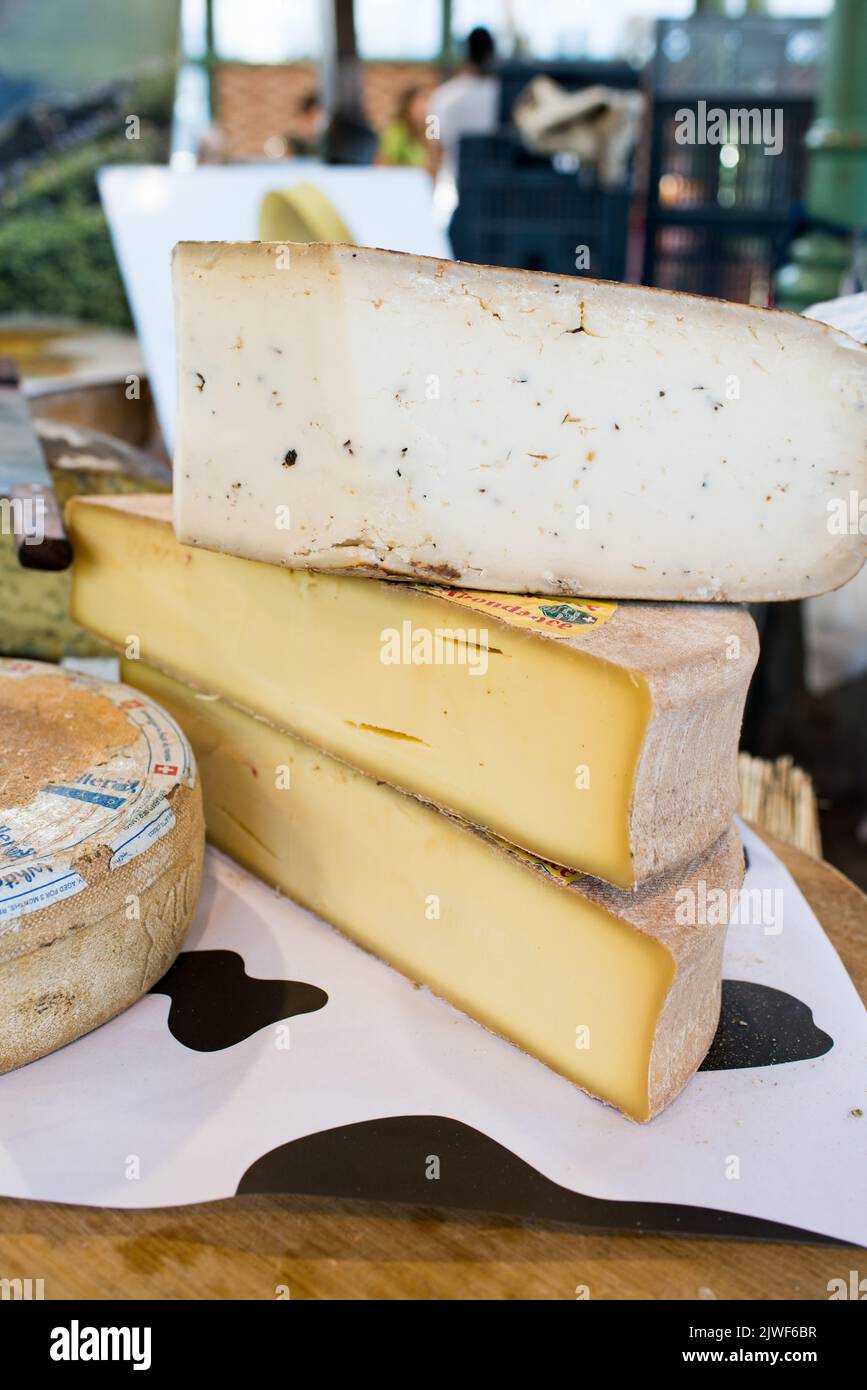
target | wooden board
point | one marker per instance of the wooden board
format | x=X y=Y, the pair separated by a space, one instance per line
x=251 y=1246
x=84 y=375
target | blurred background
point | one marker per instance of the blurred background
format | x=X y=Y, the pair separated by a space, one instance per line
x=575 y=136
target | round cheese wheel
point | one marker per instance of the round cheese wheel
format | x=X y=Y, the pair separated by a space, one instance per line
x=101 y=846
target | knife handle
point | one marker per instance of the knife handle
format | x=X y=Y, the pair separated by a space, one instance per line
x=37 y=525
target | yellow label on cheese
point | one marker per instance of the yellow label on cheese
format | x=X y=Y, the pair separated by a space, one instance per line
x=554 y=615
x=545 y=866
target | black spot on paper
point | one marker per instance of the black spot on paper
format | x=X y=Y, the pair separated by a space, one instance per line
x=432 y=1161
x=763 y=1027
x=216 y=1004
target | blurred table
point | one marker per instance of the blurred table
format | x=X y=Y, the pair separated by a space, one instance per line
x=84 y=375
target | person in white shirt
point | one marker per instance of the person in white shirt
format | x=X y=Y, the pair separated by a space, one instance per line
x=468 y=104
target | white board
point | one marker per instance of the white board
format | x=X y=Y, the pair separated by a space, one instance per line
x=151 y=207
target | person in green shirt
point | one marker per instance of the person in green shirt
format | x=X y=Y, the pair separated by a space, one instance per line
x=403 y=141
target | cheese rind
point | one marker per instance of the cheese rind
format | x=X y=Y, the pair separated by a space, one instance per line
x=610 y=747
x=605 y=987
x=360 y=410
x=101 y=845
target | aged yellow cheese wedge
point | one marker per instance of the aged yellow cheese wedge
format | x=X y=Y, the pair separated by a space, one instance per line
x=600 y=736
x=101 y=845
x=617 y=991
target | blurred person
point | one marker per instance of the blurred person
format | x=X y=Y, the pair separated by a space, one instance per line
x=404 y=141
x=468 y=104
x=305 y=138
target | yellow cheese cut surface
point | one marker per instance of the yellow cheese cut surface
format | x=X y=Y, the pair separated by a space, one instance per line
x=611 y=748
x=601 y=985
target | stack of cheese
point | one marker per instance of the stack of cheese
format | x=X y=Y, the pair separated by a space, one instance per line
x=524 y=803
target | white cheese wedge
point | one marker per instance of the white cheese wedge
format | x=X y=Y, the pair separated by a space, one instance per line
x=619 y=992
x=360 y=410
x=101 y=845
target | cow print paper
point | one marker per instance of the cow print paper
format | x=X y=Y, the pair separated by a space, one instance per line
x=276 y=1056
x=216 y=1004
x=428 y=1160
x=763 y=1027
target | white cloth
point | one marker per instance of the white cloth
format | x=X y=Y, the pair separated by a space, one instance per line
x=598 y=124
x=465 y=105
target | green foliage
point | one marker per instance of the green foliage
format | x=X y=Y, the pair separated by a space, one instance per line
x=63 y=266
x=67 y=180
x=152 y=99
x=56 y=255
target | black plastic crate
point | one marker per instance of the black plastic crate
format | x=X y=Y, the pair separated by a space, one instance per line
x=694 y=176
x=538 y=224
x=482 y=157
x=727 y=262
x=716 y=218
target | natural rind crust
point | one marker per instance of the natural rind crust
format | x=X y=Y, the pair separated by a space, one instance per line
x=697 y=674
x=688 y=1021
x=72 y=967
x=686 y=784
x=691 y=1014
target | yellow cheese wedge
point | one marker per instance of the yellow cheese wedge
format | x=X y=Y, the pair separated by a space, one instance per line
x=596 y=735
x=605 y=987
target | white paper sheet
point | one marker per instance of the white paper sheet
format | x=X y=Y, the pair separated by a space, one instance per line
x=131 y=1117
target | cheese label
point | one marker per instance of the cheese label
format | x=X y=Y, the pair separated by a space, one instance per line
x=119 y=803
x=549 y=613
x=545 y=866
